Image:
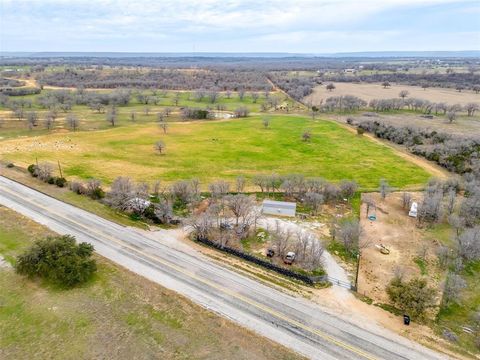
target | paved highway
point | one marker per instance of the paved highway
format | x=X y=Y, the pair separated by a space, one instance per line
x=294 y=322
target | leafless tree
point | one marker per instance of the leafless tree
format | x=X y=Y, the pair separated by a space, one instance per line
x=160 y=146
x=146 y=110
x=241 y=93
x=72 y=121
x=133 y=116
x=183 y=190
x=348 y=188
x=452 y=288
x=384 y=188
x=120 y=193
x=471 y=108
x=451 y=198
x=219 y=188
x=239 y=184
x=468 y=244
x=112 y=116
x=406 y=200
x=403 y=94
x=255 y=97
x=306 y=135
x=314 y=201
x=164 y=127
x=451 y=116
x=266 y=122
x=281 y=239
x=240 y=205
x=350 y=234
x=44 y=171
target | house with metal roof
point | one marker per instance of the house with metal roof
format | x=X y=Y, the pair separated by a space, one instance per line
x=280 y=208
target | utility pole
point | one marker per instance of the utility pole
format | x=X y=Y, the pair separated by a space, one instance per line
x=358 y=269
x=60 y=168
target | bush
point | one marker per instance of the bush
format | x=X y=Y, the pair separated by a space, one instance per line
x=10 y=165
x=60 y=182
x=51 y=180
x=77 y=187
x=59 y=260
x=360 y=131
x=413 y=297
x=32 y=169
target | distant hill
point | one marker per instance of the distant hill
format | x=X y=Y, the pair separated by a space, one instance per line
x=367 y=54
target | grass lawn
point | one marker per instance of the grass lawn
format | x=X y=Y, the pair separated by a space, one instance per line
x=212 y=150
x=118 y=315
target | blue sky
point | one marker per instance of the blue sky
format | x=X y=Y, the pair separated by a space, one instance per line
x=300 y=26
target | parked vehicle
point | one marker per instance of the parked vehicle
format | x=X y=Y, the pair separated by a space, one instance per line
x=289 y=258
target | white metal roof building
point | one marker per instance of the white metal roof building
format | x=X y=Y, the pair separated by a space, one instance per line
x=281 y=208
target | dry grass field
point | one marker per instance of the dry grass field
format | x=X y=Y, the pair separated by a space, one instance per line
x=118 y=315
x=368 y=92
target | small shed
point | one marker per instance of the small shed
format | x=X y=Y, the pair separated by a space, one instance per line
x=281 y=208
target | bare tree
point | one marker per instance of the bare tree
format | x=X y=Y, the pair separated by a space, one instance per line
x=219 y=188
x=314 y=201
x=450 y=201
x=240 y=205
x=350 y=235
x=239 y=184
x=133 y=116
x=281 y=239
x=306 y=135
x=160 y=146
x=112 y=116
x=348 y=188
x=255 y=97
x=72 y=121
x=406 y=200
x=468 y=244
x=471 y=108
x=164 y=127
x=451 y=116
x=266 y=122
x=120 y=193
x=384 y=188
x=44 y=171
x=452 y=288
x=403 y=94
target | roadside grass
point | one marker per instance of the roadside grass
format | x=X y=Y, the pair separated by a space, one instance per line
x=211 y=150
x=65 y=195
x=118 y=315
x=458 y=316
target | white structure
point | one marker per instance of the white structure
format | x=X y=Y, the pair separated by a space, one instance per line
x=413 y=210
x=281 y=208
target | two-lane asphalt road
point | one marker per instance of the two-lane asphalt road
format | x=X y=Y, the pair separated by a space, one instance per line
x=294 y=322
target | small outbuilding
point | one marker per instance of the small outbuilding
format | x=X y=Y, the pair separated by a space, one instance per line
x=281 y=208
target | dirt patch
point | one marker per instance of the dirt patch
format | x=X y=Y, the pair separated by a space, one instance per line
x=399 y=233
x=368 y=92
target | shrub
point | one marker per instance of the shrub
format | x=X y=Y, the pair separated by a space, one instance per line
x=10 y=165
x=60 y=182
x=59 y=260
x=360 y=131
x=77 y=187
x=51 y=180
x=32 y=169
x=413 y=297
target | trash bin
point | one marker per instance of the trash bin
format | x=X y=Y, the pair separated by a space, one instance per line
x=406 y=319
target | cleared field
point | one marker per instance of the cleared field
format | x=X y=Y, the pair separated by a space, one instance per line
x=212 y=150
x=368 y=92
x=116 y=316
x=463 y=125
